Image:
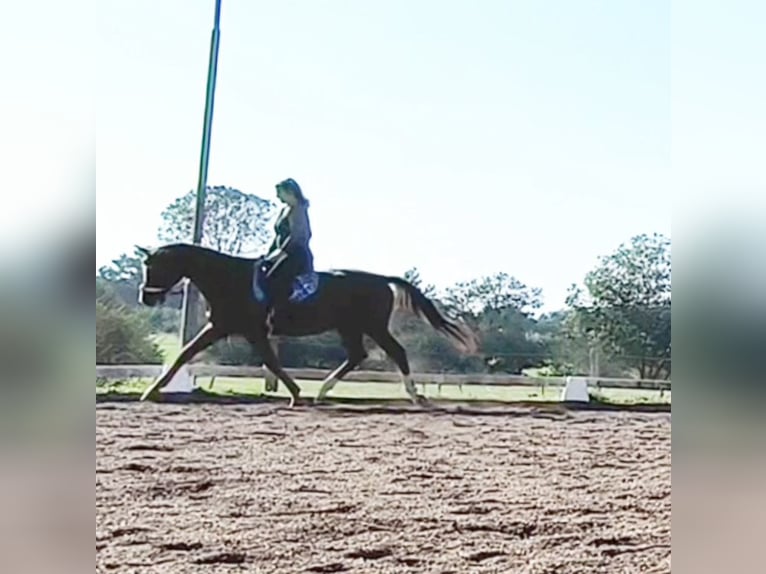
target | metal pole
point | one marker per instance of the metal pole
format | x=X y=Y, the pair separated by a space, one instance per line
x=191 y=295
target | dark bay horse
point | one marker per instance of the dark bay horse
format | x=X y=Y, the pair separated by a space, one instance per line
x=353 y=303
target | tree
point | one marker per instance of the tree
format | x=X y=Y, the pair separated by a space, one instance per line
x=575 y=349
x=125 y=269
x=626 y=304
x=499 y=308
x=492 y=293
x=413 y=276
x=123 y=277
x=122 y=333
x=510 y=340
x=404 y=321
x=234 y=222
x=427 y=350
x=565 y=355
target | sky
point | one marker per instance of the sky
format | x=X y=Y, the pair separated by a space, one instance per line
x=461 y=138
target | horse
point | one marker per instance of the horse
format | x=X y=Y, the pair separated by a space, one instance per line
x=352 y=303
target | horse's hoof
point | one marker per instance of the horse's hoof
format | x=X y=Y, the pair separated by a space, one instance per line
x=294 y=402
x=422 y=401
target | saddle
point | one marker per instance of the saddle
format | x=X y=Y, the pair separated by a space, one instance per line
x=304 y=286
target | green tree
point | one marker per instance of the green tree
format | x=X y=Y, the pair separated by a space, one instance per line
x=510 y=341
x=124 y=269
x=124 y=275
x=413 y=276
x=566 y=355
x=427 y=350
x=122 y=333
x=626 y=305
x=500 y=309
x=492 y=293
x=234 y=222
x=575 y=350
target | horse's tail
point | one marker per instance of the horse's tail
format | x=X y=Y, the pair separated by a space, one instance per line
x=407 y=296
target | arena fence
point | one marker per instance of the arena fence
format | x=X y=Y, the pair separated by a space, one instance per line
x=192 y=372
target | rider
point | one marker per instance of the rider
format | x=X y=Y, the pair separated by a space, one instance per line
x=289 y=254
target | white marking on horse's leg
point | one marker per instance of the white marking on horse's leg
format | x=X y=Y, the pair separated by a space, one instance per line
x=332 y=379
x=327 y=386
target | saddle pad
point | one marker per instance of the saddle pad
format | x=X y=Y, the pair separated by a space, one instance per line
x=304 y=286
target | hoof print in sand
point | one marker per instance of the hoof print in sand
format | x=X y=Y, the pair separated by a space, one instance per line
x=220 y=558
x=328 y=568
x=370 y=554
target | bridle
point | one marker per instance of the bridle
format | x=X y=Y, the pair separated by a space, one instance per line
x=148 y=289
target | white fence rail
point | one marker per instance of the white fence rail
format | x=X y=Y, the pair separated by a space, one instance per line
x=123 y=372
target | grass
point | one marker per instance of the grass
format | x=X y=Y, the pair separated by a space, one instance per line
x=170 y=346
x=226 y=386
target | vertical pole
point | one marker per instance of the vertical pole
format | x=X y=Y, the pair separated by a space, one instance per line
x=593 y=367
x=190 y=324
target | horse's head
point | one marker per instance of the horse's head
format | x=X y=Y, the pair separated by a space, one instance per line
x=162 y=270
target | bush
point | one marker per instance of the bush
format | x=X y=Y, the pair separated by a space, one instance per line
x=122 y=334
x=163 y=319
x=232 y=351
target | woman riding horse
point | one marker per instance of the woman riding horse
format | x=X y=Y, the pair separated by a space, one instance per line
x=354 y=304
x=289 y=255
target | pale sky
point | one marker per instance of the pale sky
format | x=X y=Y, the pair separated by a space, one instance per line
x=463 y=138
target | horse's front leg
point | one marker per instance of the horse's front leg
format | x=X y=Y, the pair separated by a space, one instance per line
x=208 y=335
x=270 y=359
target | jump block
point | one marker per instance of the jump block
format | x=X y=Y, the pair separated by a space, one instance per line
x=183 y=382
x=575 y=390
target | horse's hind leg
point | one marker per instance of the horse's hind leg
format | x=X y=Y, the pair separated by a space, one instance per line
x=394 y=350
x=356 y=354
